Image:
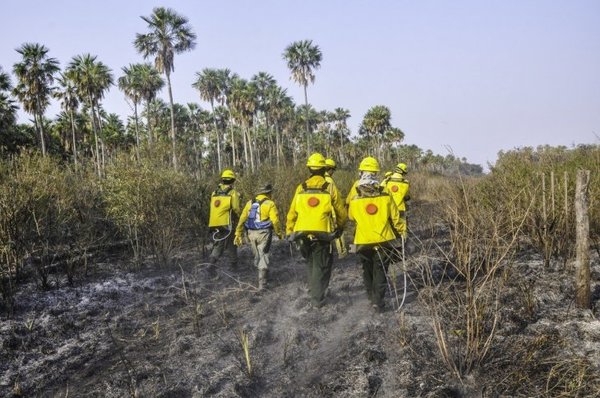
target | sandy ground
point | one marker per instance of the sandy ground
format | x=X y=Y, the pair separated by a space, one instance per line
x=173 y=332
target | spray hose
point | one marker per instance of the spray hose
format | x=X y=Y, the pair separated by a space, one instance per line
x=388 y=279
x=229 y=229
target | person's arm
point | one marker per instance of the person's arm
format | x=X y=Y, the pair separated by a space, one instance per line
x=243 y=217
x=292 y=214
x=352 y=193
x=341 y=215
x=274 y=217
x=397 y=223
x=235 y=202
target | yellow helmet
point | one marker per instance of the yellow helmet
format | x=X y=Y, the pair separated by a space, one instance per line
x=330 y=163
x=369 y=164
x=227 y=173
x=315 y=161
x=400 y=168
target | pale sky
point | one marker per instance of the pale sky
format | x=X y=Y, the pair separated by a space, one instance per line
x=473 y=76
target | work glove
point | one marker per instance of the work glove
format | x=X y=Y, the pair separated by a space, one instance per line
x=237 y=240
x=338 y=232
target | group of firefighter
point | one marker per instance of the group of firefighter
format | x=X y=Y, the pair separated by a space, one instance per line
x=315 y=223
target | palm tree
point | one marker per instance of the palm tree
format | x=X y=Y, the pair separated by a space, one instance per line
x=242 y=103
x=92 y=78
x=263 y=81
x=341 y=117
x=375 y=123
x=35 y=76
x=67 y=95
x=394 y=137
x=169 y=34
x=8 y=109
x=150 y=84
x=278 y=105
x=131 y=85
x=194 y=127
x=302 y=59
x=226 y=79
x=209 y=85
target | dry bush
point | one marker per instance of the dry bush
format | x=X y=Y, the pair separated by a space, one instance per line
x=466 y=311
x=546 y=177
x=540 y=366
x=154 y=206
x=38 y=214
x=50 y=216
x=425 y=187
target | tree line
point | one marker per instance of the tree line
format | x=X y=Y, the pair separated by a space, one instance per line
x=250 y=121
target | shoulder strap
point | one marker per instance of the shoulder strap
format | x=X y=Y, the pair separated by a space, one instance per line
x=221 y=191
x=260 y=202
x=323 y=187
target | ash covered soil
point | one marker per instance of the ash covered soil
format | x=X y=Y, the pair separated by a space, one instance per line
x=173 y=332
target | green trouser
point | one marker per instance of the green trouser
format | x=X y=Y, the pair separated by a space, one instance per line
x=319 y=262
x=375 y=263
x=225 y=245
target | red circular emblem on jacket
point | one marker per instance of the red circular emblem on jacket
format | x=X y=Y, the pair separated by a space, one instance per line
x=371 y=208
x=217 y=203
x=394 y=188
x=313 y=202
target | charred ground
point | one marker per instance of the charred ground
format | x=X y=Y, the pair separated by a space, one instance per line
x=172 y=332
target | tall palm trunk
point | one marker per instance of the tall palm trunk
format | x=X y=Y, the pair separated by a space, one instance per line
x=246 y=143
x=102 y=146
x=38 y=119
x=269 y=140
x=95 y=130
x=233 y=148
x=341 y=156
x=73 y=136
x=149 y=122
x=253 y=145
x=173 y=142
x=218 y=136
x=137 y=131
x=306 y=121
x=278 y=151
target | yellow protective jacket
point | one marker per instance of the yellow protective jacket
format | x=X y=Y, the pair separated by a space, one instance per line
x=268 y=211
x=329 y=202
x=224 y=202
x=353 y=192
x=329 y=179
x=377 y=219
x=397 y=187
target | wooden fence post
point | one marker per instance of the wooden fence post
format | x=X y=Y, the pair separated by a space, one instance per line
x=582 y=267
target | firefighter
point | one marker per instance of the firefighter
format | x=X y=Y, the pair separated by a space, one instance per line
x=330 y=167
x=367 y=166
x=260 y=219
x=378 y=224
x=316 y=203
x=397 y=186
x=224 y=212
